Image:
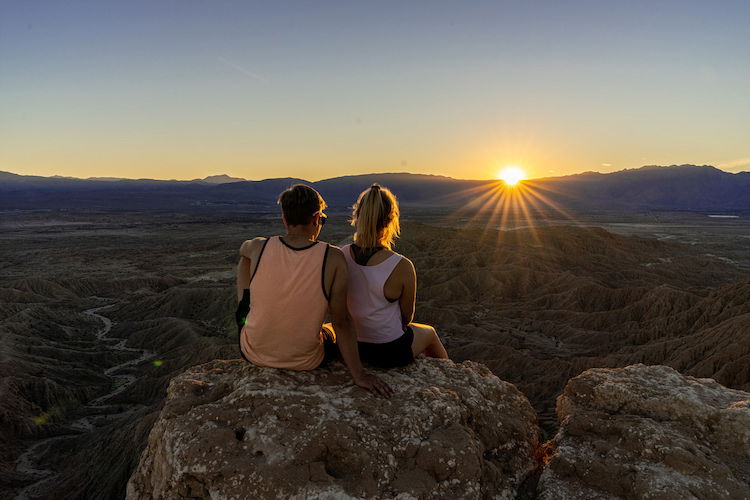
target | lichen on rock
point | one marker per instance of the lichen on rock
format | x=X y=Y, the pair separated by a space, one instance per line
x=233 y=430
x=648 y=432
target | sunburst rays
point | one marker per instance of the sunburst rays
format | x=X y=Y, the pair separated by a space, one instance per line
x=503 y=207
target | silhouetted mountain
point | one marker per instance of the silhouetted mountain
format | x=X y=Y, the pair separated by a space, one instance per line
x=683 y=187
x=219 y=179
x=678 y=187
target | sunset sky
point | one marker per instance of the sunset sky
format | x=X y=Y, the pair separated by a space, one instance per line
x=316 y=89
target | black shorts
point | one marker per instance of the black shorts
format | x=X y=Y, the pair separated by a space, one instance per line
x=390 y=354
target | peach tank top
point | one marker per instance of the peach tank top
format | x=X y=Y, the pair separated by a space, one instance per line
x=287 y=307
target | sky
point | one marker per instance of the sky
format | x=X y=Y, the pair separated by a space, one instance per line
x=316 y=89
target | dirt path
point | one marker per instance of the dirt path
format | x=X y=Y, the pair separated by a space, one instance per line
x=98 y=412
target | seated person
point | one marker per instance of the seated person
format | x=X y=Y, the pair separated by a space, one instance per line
x=286 y=285
x=382 y=287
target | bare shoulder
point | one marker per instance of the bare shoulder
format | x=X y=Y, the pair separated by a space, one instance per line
x=250 y=247
x=336 y=256
x=405 y=266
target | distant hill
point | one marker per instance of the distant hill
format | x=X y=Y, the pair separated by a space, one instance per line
x=219 y=179
x=678 y=187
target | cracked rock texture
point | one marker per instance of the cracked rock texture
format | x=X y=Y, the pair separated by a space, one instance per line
x=233 y=430
x=648 y=432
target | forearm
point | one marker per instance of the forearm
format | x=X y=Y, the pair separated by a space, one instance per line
x=405 y=320
x=407 y=314
x=346 y=338
x=407 y=304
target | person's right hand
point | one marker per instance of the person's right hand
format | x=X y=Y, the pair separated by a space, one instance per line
x=373 y=384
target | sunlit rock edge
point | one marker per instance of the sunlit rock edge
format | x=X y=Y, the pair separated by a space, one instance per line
x=233 y=430
x=648 y=432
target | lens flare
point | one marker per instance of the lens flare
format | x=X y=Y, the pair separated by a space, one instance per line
x=158 y=362
x=505 y=207
x=42 y=419
x=47 y=415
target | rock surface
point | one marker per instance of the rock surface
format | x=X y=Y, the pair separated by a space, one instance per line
x=232 y=430
x=648 y=432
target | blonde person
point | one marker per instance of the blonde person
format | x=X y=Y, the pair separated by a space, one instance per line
x=382 y=287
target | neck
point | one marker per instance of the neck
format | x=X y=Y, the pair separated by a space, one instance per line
x=377 y=245
x=300 y=232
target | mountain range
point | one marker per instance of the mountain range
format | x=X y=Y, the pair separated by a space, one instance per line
x=676 y=187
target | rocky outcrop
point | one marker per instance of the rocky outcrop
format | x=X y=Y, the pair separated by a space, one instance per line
x=233 y=430
x=648 y=432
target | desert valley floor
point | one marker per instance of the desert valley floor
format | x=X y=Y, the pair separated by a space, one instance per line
x=100 y=309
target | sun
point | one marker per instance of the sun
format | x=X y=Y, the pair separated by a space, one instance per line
x=511 y=175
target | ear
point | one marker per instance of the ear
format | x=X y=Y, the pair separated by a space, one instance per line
x=316 y=219
x=283 y=219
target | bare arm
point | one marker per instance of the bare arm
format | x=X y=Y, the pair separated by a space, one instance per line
x=408 y=297
x=243 y=276
x=346 y=337
x=248 y=253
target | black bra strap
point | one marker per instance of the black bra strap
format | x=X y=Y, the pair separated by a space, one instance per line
x=363 y=255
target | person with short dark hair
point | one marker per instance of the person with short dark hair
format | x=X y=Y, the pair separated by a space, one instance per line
x=287 y=284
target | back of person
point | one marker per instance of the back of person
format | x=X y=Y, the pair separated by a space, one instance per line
x=382 y=287
x=282 y=329
x=377 y=319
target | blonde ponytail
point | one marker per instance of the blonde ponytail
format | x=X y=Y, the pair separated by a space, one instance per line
x=376 y=218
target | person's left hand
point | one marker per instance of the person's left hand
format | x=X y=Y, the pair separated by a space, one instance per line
x=374 y=384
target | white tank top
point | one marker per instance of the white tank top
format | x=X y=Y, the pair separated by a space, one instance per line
x=377 y=320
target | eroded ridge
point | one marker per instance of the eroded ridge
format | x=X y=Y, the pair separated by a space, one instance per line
x=96 y=410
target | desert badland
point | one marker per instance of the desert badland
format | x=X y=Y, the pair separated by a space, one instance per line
x=538 y=301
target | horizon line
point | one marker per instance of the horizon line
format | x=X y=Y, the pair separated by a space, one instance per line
x=241 y=179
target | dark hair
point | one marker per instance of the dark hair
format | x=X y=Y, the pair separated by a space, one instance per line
x=299 y=203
